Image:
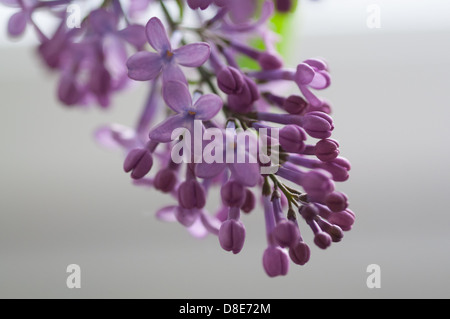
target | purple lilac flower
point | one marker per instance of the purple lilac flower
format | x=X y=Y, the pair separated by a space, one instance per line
x=99 y=58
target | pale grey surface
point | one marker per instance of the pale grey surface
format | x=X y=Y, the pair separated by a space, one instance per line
x=63 y=200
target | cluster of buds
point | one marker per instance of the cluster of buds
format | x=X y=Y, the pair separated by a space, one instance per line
x=227 y=127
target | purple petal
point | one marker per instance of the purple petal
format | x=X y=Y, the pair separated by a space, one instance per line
x=115 y=60
x=316 y=63
x=172 y=72
x=68 y=91
x=167 y=214
x=115 y=136
x=197 y=229
x=310 y=97
x=134 y=34
x=207 y=106
x=206 y=170
x=212 y=224
x=305 y=74
x=144 y=66
x=177 y=96
x=193 y=55
x=246 y=173
x=157 y=36
x=163 y=131
x=17 y=23
x=321 y=80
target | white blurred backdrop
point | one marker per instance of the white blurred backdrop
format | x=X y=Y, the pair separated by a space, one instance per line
x=64 y=200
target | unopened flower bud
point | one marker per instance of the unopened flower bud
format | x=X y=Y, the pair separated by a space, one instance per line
x=336 y=233
x=230 y=80
x=275 y=261
x=336 y=201
x=286 y=233
x=233 y=194
x=232 y=235
x=139 y=162
x=269 y=61
x=295 y=104
x=249 y=203
x=322 y=240
x=165 y=180
x=191 y=195
x=317 y=184
x=300 y=253
x=292 y=138
x=338 y=168
x=344 y=219
x=318 y=124
x=308 y=212
x=326 y=150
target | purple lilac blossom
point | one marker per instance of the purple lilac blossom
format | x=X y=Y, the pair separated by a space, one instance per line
x=109 y=52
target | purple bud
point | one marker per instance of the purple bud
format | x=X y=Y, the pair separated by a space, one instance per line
x=230 y=80
x=249 y=203
x=317 y=184
x=308 y=212
x=292 y=138
x=300 y=253
x=69 y=92
x=336 y=201
x=322 y=240
x=232 y=235
x=326 y=150
x=139 y=162
x=275 y=261
x=336 y=233
x=344 y=219
x=269 y=61
x=318 y=124
x=233 y=194
x=243 y=101
x=339 y=168
x=286 y=233
x=191 y=195
x=295 y=104
x=165 y=180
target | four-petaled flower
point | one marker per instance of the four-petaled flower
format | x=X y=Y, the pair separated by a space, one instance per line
x=178 y=98
x=144 y=66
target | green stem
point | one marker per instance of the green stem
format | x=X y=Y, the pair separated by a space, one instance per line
x=173 y=25
x=292 y=198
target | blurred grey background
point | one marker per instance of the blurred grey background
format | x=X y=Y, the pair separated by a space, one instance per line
x=64 y=200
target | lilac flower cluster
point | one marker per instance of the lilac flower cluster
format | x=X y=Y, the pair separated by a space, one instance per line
x=192 y=58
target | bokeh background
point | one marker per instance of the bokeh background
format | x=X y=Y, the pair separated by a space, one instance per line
x=64 y=200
